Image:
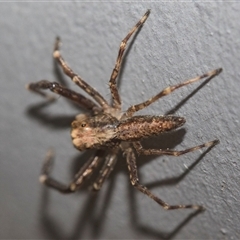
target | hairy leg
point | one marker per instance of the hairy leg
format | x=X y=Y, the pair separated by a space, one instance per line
x=131 y=110
x=141 y=150
x=84 y=173
x=132 y=168
x=77 y=79
x=107 y=168
x=112 y=82
x=63 y=91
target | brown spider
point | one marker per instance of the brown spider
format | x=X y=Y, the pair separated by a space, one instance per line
x=109 y=130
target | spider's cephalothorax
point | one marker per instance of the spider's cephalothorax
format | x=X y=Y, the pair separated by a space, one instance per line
x=108 y=130
x=94 y=131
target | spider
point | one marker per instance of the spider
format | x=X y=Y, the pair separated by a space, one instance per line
x=109 y=130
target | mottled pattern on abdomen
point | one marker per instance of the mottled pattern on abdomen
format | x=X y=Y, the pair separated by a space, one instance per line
x=139 y=127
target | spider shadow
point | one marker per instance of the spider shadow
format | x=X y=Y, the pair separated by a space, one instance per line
x=94 y=217
x=54 y=230
x=91 y=217
x=166 y=142
x=135 y=218
x=86 y=219
x=57 y=121
x=88 y=216
x=182 y=102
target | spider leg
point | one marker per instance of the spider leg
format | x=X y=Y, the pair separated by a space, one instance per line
x=112 y=82
x=131 y=110
x=84 y=173
x=140 y=150
x=107 y=168
x=63 y=91
x=132 y=168
x=77 y=79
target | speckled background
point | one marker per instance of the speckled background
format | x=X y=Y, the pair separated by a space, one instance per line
x=178 y=41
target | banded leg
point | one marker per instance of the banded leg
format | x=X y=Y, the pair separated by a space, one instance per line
x=141 y=150
x=60 y=90
x=132 y=168
x=107 y=168
x=112 y=82
x=84 y=173
x=131 y=110
x=77 y=79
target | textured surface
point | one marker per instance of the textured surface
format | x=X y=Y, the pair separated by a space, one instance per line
x=177 y=42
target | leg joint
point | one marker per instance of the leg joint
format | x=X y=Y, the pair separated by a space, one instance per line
x=43 y=178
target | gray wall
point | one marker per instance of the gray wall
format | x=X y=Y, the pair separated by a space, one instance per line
x=178 y=41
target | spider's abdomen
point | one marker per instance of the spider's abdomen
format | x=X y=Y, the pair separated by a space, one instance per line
x=138 y=127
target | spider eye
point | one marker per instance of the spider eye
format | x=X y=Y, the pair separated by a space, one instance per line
x=83 y=125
